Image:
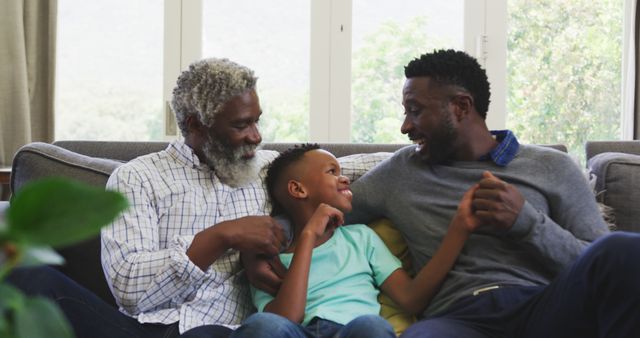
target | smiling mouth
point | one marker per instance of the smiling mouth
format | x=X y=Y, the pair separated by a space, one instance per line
x=419 y=142
x=346 y=193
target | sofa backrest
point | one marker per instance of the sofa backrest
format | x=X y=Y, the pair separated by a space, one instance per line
x=92 y=162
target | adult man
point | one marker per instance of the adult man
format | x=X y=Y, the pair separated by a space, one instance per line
x=538 y=217
x=172 y=259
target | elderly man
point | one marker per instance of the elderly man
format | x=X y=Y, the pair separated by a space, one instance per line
x=530 y=271
x=172 y=259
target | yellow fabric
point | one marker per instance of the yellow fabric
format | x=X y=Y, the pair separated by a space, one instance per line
x=396 y=244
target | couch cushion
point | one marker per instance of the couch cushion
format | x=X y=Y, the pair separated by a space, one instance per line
x=392 y=238
x=618 y=186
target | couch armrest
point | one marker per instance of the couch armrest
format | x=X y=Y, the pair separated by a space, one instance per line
x=38 y=160
x=618 y=186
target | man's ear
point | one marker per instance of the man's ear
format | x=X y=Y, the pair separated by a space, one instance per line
x=193 y=123
x=296 y=189
x=463 y=104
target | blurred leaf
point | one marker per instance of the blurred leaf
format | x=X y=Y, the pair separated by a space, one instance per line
x=58 y=212
x=10 y=298
x=40 y=255
x=48 y=317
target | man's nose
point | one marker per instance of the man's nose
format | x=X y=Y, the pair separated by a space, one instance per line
x=254 y=136
x=406 y=126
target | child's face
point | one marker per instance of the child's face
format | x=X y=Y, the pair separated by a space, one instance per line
x=323 y=180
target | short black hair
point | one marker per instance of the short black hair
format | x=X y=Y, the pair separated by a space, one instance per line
x=450 y=67
x=278 y=166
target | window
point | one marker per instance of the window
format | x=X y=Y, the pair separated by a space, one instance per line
x=272 y=38
x=385 y=38
x=109 y=70
x=332 y=70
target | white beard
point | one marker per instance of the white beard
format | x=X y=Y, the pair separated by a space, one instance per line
x=230 y=166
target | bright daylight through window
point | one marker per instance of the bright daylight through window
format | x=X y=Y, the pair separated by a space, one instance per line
x=563 y=68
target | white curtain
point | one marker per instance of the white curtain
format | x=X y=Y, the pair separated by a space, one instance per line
x=27 y=73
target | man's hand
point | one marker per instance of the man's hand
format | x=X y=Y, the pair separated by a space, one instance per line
x=264 y=273
x=257 y=234
x=250 y=234
x=496 y=203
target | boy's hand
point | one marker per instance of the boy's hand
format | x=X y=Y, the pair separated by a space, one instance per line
x=465 y=217
x=324 y=217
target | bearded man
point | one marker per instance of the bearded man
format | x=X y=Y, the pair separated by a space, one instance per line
x=173 y=257
x=531 y=269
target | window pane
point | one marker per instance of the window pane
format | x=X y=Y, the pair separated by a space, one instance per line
x=564 y=71
x=109 y=70
x=272 y=38
x=386 y=37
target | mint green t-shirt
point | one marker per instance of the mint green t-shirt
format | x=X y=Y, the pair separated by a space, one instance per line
x=345 y=274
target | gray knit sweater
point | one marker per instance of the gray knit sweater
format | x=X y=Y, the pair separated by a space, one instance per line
x=558 y=220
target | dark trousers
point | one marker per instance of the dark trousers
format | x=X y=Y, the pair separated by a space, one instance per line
x=90 y=316
x=597 y=296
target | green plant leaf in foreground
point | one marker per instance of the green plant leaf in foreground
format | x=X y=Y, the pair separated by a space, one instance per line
x=11 y=299
x=41 y=318
x=58 y=212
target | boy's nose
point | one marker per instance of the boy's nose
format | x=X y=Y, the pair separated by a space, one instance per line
x=344 y=179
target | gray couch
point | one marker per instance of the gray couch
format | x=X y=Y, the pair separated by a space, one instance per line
x=617 y=167
x=93 y=161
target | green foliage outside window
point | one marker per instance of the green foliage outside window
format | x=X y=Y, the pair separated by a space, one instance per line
x=564 y=71
x=378 y=77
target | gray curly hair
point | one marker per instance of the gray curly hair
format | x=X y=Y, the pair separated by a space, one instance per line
x=206 y=86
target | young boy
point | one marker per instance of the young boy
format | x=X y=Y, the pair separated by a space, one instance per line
x=333 y=271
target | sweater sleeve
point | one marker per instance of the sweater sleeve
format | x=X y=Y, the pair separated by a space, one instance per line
x=573 y=221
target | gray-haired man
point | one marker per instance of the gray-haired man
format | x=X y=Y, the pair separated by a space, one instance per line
x=172 y=259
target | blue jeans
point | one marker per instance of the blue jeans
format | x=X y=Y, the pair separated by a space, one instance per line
x=597 y=296
x=90 y=316
x=269 y=325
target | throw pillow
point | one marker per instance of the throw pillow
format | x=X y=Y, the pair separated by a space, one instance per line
x=396 y=244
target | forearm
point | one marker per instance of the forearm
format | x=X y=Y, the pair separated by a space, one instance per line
x=413 y=295
x=557 y=244
x=291 y=300
x=208 y=245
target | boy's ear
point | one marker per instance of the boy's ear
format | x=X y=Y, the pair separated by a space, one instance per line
x=296 y=189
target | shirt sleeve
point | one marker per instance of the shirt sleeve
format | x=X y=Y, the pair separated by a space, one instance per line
x=383 y=263
x=142 y=276
x=574 y=218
